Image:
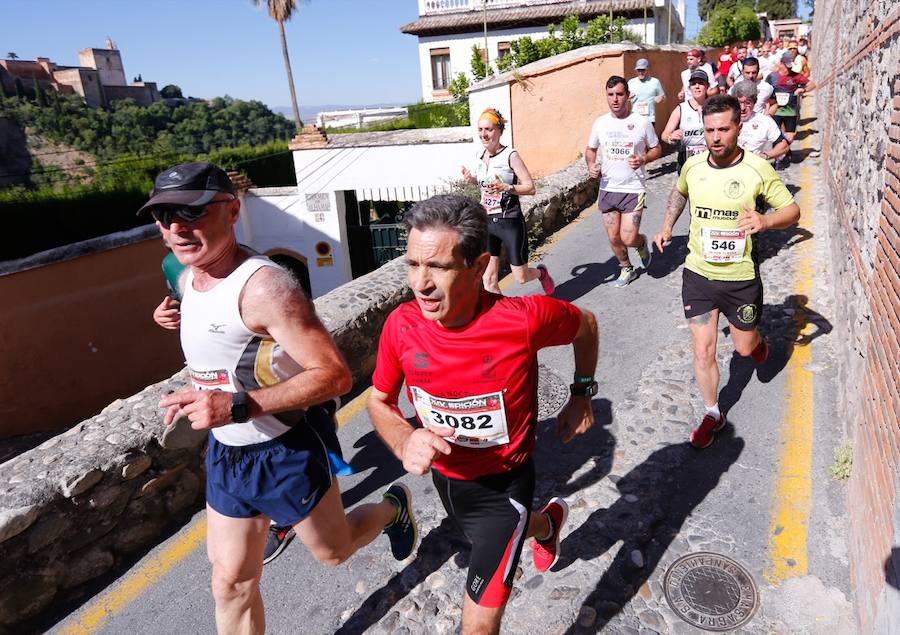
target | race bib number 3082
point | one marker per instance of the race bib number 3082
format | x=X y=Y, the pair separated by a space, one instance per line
x=478 y=421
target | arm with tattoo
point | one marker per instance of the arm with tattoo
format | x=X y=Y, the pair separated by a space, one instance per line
x=674 y=207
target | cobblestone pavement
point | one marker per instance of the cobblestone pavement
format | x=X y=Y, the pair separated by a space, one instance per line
x=640 y=496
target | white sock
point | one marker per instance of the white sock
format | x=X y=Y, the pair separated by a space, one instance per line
x=714 y=410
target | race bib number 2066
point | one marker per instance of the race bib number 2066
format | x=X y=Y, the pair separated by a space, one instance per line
x=478 y=421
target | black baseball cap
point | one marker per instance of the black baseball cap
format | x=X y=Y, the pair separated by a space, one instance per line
x=699 y=76
x=188 y=184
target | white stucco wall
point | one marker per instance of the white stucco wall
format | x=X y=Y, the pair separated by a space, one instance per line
x=460 y=46
x=279 y=220
x=393 y=172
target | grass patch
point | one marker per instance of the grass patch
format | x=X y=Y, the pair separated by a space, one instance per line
x=843 y=461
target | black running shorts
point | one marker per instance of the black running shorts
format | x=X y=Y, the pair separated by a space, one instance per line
x=740 y=302
x=789 y=121
x=510 y=232
x=492 y=512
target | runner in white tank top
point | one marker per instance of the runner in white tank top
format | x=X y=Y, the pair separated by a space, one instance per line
x=685 y=125
x=248 y=333
x=502 y=176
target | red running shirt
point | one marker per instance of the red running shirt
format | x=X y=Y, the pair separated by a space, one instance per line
x=495 y=352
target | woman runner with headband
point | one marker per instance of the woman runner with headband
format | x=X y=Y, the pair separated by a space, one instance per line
x=502 y=177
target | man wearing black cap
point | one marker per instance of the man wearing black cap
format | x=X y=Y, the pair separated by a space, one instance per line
x=685 y=125
x=258 y=359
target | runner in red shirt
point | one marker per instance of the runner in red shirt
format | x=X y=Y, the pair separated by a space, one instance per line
x=469 y=358
x=726 y=59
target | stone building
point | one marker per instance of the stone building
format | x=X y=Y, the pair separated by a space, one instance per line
x=99 y=79
x=447 y=29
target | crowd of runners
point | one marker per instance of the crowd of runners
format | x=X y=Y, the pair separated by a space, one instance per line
x=265 y=373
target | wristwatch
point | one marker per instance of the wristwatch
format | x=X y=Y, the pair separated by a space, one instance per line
x=584 y=389
x=240 y=409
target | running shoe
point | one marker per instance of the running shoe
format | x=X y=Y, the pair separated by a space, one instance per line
x=278 y=539
x=703 y=435
x=626 y=277
x=402 y=532
x=645 y=253
x=761 y=353
x=546 y=552
x=547 y=283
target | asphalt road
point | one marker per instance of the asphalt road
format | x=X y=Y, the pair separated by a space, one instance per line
x=733 y=490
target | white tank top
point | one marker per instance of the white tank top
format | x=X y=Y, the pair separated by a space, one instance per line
x=692 y=125
x=223 y=354
x=497 y=167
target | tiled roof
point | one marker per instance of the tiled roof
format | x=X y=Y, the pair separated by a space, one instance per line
x=462 y=21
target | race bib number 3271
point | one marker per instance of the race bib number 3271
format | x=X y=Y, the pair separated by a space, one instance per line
x=478 y=421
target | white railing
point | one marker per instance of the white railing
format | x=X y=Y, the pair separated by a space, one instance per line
x=428 y=7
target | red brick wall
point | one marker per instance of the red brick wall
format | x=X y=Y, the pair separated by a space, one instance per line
x=858 y=105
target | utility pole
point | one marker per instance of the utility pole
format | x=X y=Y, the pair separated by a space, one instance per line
x=484 y=15
x=669 y=31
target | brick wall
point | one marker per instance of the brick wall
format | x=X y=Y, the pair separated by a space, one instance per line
x=856 y=63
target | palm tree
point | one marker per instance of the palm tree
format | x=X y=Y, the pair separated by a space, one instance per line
x=12 y=56
x=280 y=11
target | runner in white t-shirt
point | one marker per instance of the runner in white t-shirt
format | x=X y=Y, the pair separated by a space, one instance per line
x=759 y=133
x=623 y=142
x=764 y=90
x=694 y=62
x=646 y=91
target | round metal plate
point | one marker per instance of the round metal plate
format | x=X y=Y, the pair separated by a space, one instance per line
x=553 y=393
x=711 y=591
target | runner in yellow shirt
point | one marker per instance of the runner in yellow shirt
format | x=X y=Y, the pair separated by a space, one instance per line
x=720 y=272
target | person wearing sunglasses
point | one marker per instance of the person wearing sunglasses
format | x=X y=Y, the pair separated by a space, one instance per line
x=259 y=362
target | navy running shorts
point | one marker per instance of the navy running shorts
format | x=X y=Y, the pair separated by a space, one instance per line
x=493 y=512
x=284 y=478
x=508 y=231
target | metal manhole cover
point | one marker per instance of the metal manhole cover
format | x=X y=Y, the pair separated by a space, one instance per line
x=711 y=591
x=553 y=393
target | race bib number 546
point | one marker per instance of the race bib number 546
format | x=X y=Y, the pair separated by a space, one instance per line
x=722 y=245
x=478 y=421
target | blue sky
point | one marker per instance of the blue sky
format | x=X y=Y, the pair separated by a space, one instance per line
x=342 y=51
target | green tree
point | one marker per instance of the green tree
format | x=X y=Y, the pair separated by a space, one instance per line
x=12 y=56
x=171 y=90
x=746 y=24
x=480 y=68
x=719 y=29
x=705 y=8
x=459 y=86
x=281 y=11
x=778 y=9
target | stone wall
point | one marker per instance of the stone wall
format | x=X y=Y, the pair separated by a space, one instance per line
x=856 y=64
x=84 y=502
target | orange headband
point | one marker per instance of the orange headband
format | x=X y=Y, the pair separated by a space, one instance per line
x=493 y=115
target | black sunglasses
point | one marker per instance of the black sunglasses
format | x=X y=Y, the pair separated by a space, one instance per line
x=164 y=215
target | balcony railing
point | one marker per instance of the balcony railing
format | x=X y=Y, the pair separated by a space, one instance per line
x=430 y=7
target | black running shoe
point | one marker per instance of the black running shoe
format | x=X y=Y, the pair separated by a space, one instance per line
x=279 y=537
x=403 y=532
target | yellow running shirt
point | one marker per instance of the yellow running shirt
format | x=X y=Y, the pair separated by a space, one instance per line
x=717 y=249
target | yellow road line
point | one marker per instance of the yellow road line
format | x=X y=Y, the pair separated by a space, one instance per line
x=137 y=582
x=789 y=514
x=117 y=598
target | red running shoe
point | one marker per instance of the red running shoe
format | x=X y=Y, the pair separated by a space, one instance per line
x=546 y=552
x=547 y=283
x=703 y=435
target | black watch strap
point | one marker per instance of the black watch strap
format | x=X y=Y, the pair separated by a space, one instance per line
x=584 y=390
x=240 y=409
